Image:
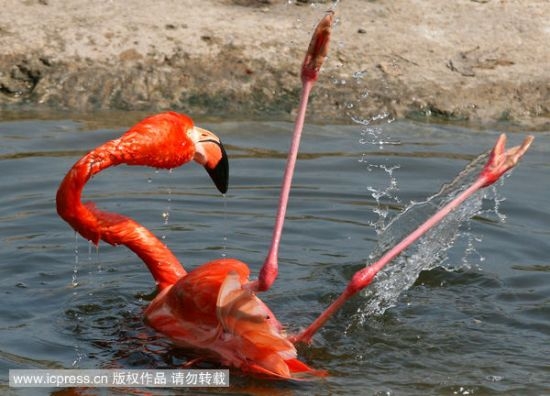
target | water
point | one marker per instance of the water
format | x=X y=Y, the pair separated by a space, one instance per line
x=476 y=323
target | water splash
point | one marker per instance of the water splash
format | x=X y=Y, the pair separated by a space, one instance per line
x=74 y=283
x=334 y=4
x=388 y=192
x=374 y=134
x=498 y=199
x=79 y=355
x=94 y=257
x=74 y=279
x=471 y=253
x=332 y=7
x=359 y=75
x=167 y=210
x=165 y=214
x=431 y=250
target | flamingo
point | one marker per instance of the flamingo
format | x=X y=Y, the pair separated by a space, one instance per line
x=214 y=309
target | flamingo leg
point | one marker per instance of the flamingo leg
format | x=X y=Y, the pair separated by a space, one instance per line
x=270 y=268
x=500 y=161
x=316 y=54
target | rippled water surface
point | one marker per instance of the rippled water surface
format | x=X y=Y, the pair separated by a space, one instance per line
x=476 y=323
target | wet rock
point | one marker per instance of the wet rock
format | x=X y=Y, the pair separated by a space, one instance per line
x=19 y=76
x=466 y=61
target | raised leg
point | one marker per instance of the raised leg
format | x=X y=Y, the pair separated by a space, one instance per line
x=500 y=161
x=316 y=53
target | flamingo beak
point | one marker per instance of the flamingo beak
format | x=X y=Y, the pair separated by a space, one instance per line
x=210 y=153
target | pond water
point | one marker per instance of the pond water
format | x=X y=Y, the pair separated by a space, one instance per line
x=475 y=322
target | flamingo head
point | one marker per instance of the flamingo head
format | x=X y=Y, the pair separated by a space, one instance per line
x=210 y=153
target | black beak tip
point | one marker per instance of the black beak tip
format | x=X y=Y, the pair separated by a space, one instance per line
x=220 y=173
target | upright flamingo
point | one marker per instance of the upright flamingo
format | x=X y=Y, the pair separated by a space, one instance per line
x=214 y=309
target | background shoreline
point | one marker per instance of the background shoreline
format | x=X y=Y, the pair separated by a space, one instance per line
x=478 y=62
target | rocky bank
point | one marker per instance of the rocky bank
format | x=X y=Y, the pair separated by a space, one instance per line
x=481 y=61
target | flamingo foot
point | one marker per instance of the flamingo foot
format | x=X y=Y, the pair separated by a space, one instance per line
x=318 y=48
x=502 y=160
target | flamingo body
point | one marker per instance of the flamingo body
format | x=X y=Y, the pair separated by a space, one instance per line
x=209 y=310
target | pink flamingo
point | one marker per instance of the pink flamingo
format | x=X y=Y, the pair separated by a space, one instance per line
x=214 y=309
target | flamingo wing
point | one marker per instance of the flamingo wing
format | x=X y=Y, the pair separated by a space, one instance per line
x=241 y=312
x=209 y=311
x=245 y=317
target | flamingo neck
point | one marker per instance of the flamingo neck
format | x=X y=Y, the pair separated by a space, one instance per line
x=115 y=229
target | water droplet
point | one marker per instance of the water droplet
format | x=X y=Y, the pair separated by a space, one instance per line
x=74 y=280
x=360 y=121
x=359 y=75
x=79 y=356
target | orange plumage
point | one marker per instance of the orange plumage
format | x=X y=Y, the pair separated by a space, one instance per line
x=208 y=309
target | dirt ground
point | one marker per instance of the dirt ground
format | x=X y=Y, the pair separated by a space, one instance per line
x=478 y=61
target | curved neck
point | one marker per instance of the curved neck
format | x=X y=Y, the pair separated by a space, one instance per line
x=115 y=229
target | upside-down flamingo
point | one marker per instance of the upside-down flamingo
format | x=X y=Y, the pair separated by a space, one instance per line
x=214 y=309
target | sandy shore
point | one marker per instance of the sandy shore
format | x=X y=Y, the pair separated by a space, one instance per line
x=481 y=61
